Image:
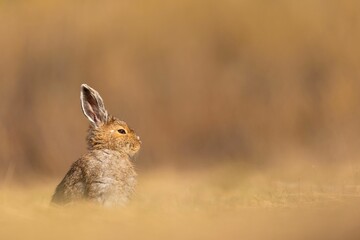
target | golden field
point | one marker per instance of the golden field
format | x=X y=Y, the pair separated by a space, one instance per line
x=227 y=203
x=248 y=112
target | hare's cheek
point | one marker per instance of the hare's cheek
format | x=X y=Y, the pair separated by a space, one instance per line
x=130 y=146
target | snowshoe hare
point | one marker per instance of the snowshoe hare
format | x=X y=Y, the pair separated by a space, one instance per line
x=105 y=174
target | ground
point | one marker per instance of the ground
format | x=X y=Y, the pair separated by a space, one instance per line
x=219 y=203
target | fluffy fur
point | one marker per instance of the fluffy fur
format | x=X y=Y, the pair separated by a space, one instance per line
x=105 y=174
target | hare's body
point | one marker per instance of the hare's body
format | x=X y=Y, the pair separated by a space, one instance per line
x=104 y=175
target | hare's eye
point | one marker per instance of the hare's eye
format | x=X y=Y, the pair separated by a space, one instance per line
x=122 y=131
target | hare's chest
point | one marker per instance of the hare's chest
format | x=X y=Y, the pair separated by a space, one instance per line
x=117 y=172
x=121 y=170
x=114 y=183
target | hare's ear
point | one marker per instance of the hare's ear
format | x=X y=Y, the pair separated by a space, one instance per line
x=92 y=106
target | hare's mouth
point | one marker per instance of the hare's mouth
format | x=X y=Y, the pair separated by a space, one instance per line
x=132 y=148
x=135 y=156
x=135 y=148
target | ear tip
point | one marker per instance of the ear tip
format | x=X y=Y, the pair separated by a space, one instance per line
x=84 y=85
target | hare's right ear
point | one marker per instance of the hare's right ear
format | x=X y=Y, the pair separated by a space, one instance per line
x=92 y=106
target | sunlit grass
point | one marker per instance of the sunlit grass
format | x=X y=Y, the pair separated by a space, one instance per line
x=223 y=203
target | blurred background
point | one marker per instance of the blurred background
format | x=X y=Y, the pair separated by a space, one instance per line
x=204 y=83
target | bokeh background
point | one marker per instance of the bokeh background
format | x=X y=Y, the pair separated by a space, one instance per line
x=204 y=83
x=248 y=111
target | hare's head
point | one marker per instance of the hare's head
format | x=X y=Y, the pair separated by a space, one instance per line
x=106 y=132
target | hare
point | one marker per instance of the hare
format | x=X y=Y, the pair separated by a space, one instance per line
x=105 y=174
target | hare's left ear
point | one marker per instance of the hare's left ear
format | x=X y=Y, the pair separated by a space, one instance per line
x=92 y=106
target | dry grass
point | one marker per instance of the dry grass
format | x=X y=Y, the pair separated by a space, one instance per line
x=226 y=203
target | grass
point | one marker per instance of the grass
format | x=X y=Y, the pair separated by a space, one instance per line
x=210 y=204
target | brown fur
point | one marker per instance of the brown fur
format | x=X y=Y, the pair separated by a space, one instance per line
x=105 y=174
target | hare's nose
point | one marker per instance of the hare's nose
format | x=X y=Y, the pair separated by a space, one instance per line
x=138 y=138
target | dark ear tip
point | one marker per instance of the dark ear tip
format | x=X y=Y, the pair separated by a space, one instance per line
x=84 y=86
